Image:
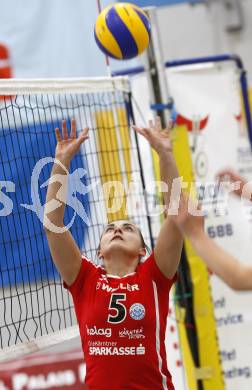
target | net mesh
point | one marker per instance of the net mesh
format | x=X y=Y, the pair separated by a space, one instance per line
x=33 y=303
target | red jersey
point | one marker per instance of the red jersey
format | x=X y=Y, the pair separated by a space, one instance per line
x=122 y=325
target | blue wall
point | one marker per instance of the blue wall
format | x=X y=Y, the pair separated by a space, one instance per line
x=25 y=255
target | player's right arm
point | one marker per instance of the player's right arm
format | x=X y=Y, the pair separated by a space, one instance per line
x=65 y=252
x=235 y=274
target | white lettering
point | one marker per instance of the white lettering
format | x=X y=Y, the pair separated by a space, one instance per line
x=132 y=333
x=52 y=379
x=102 y=343
x=4 y=199
x=19 y=381
x=105 y=287
x=94 y=331
x=119 y=351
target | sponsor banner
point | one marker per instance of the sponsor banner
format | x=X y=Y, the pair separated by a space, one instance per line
x=46 y=371
x=208 y=103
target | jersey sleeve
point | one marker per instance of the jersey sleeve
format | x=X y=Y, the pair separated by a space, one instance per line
x=87 y=269
x=150 y=266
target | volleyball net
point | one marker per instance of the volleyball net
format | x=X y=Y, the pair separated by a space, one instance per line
x=105 y=183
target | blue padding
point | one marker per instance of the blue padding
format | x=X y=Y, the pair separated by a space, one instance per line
x=161 y=107
x=121 y=34
x=129 y=72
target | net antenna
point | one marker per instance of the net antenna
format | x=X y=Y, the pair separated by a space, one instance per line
x=153 y=61
x=107 y=61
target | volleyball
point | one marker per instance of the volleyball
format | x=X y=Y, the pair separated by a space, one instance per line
x=122 y=31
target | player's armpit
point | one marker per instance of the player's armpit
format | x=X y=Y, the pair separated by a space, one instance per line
x=86 y=273
x=168 y=248
x=150 y=265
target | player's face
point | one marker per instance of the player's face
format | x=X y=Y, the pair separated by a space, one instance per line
x=122 y=235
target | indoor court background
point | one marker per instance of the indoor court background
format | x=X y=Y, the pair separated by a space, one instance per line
x=44 y=39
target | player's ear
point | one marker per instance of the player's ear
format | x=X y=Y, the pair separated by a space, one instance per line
x=142 y=252
x=99 y=254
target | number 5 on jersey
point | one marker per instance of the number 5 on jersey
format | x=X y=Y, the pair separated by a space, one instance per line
x=118 y=308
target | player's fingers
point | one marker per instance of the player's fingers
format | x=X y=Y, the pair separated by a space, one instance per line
x=166 y=133
x=84 y=132
x=83 y=136
x=147 y=132
x=158 y=124
x=151 y=124
x=225 y=175
x=64 y=130
x=139 y=130
x=58 y=135
x=73 y=129
x=170 y=124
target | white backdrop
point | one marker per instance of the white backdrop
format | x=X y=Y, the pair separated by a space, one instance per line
x=213 y=93
x=52 y=38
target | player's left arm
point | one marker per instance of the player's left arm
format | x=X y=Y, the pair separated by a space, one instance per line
x=167 y=251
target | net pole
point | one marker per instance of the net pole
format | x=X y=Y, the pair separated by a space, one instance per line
x=107 y=61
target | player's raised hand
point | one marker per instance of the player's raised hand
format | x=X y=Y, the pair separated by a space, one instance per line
x=158 y=138
x=68 y=145
x=228 y=175
x=190 y=225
